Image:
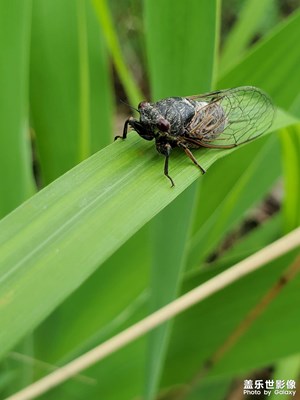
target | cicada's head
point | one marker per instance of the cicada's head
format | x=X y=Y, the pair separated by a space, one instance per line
x=142 y=129
x=151 y=119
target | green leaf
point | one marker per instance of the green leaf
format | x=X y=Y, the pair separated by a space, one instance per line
x=243 y=31
x=15 y=161
x=287 y=369
x=266 y=233
x=272 y=64
x=70 y=89
x=290 y=140
x=230 y=198
x=118 y=289
x=107 y=24
x=222 y=203
x=54 y=241
x=174 y=61
x=195 y=331
x=84 y=80
x=178 y=65
x=170 y=230
x=216 y=389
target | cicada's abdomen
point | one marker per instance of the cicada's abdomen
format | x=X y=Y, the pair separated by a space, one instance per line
x=208 y=122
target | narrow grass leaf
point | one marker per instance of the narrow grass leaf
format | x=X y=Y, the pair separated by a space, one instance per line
x=278 y=58
x=70 y=93
x=290 y=140
x=286 y=370
x=193 y=336
x=243 y=31
x=266 y=233
x=215 y=389
x=223 y=203
x=174 y=61
x=107 y=25
x=15 y=161
x=84 y=83
x=178 y=65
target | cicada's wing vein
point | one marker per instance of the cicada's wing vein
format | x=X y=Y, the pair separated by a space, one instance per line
x=227 y=118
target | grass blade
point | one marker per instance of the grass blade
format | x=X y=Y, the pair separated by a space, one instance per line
x=105 y=19
x=84 y=83
x=278 y=66
x=230 y=199
x=243 y=31
x=15 y=161
x=290 y=140
x=174 y=70
x=70 y=93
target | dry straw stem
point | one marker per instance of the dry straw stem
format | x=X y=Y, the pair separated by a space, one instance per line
x=250 y=264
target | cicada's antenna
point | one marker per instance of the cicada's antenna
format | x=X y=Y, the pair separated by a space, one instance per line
x=124 y=102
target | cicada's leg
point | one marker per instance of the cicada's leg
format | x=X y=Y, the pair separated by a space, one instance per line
x=166 y=170
x=125 y=129
x=190 y=155
x=165 y=149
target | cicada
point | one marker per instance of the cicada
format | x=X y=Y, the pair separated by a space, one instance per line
x=221 y=120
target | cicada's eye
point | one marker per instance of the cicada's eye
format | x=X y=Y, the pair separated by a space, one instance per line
x=143 y=104
x=163 y=125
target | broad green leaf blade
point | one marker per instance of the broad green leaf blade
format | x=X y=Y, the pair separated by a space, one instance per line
x=117 y=289
x=15 y=161
x=170 y=231
x=174 y=60
x=245 y=28
x=54 y=241
x=71 y=101
x=173 y=37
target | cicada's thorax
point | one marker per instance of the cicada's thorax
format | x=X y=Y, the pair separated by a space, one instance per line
x=174 y=112
x=178 y=111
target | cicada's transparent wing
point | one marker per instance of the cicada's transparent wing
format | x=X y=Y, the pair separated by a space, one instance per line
x=227 y=118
